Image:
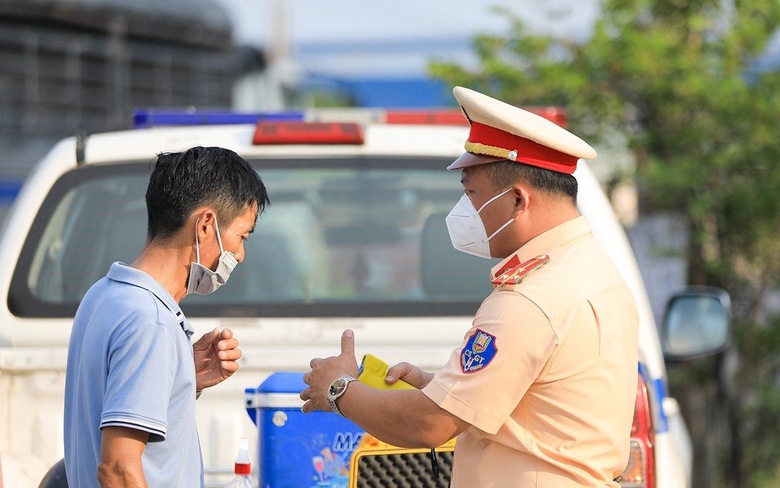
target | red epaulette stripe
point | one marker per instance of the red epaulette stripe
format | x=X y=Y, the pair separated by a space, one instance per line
x=514 y=276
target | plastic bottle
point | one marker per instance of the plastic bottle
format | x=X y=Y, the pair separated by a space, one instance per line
x=242 y=469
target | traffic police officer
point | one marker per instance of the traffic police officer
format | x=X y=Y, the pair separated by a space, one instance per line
x=541 y=390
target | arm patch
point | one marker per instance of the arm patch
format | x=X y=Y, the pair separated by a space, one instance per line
x=479 y=351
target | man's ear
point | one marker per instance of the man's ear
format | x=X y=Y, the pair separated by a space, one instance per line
x=204 y=217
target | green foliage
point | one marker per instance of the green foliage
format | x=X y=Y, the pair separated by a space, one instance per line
x=761 y=459
x=677 y=78
x=327 y=99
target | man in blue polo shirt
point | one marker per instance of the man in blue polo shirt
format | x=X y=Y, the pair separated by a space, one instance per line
x=133 y=375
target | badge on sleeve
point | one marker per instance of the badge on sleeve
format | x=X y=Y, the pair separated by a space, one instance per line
x=479 y=351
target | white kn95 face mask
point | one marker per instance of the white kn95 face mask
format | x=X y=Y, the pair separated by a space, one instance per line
x=466 y=229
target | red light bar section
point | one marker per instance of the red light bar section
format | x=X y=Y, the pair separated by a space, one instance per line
x=308 y=133
x=455 y=117
x=553 y=114
x=426 y=117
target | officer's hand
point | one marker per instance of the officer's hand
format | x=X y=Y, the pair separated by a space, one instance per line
x=409 y=373
x=216 y=357
x=324 y=371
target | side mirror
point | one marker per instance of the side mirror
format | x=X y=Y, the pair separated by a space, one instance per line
x=697 y=323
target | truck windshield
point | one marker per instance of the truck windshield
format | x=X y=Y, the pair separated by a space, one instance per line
x=345 y=237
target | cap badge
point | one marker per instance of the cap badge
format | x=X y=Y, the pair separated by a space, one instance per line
x=515 y=275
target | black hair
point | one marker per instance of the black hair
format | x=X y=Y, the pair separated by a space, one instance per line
x=505 y=173
x=181 y=182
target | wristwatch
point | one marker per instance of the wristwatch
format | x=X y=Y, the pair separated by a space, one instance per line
x=338 y=388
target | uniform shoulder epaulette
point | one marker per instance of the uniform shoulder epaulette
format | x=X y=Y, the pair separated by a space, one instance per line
x=515 y=275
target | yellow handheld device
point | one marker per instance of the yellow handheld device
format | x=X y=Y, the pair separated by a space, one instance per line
x=373 y=371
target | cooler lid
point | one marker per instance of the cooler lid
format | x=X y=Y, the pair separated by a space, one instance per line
x=282 y=382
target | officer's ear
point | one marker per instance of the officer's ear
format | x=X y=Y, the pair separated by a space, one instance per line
x=521 y=196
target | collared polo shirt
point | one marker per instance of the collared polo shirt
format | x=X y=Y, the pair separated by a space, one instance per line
x=130 y=364
x=547 y=375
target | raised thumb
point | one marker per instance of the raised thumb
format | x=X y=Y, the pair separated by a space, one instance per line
x=348 y=343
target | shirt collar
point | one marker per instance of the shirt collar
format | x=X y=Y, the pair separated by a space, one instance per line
x=121 y=272
x=543 y=243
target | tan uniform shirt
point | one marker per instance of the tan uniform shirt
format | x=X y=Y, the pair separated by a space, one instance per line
x=547 y=375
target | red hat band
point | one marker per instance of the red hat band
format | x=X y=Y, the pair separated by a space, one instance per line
x=484 y=139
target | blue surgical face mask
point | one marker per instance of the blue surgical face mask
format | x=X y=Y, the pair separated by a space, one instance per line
x=202 y=280
x=466 y=229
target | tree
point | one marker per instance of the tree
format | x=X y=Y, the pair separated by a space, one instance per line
x=678 y=79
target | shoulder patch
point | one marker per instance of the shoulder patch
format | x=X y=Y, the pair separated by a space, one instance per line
x=515 y=276
x=479 y=351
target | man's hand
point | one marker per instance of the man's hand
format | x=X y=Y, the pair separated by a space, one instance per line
x=411 y=374
x=324 y=371
x=216 y=358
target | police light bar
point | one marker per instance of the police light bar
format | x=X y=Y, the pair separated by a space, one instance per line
x=155 y=118
x=308 y=133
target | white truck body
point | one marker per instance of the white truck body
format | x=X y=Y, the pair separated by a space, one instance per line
x=33 y=349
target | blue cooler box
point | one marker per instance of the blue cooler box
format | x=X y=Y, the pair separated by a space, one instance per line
x=298 y=450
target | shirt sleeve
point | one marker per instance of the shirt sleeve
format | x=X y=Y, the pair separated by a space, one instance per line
x=141 y=366
x=502 y=354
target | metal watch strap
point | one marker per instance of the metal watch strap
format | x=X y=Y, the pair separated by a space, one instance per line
x=332 y=400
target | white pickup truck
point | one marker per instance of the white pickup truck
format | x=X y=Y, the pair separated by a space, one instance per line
x=355 y=237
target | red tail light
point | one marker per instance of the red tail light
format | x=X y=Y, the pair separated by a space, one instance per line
x=640 y=472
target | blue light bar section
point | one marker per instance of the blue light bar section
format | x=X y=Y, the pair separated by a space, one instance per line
x=144 y=119
x=9 y=189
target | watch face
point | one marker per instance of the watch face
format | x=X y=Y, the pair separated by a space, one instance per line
x=337 y=387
